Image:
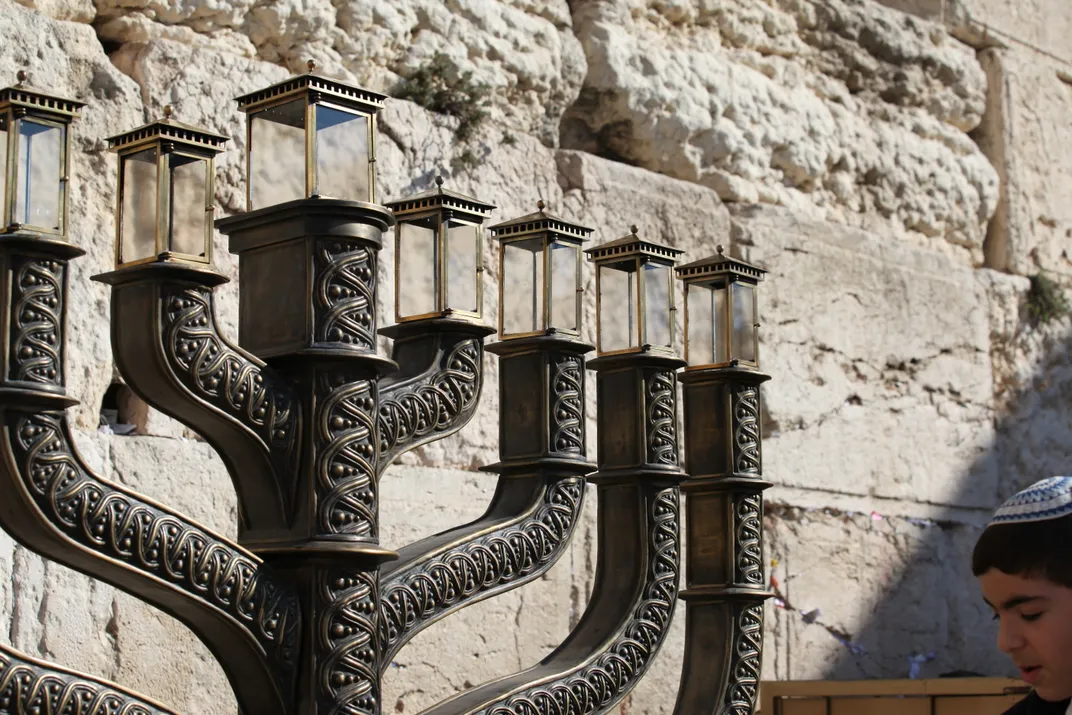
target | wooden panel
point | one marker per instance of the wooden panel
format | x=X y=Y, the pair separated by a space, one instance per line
x=881 y=706
x=800 y=706
x=980 y=705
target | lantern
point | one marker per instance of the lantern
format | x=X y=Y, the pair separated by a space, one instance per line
x=721 y=326
x=35 y=159
x=634 y=301
x=439 y=255
x=310 y=137
x=166 y=192
x=539 y=275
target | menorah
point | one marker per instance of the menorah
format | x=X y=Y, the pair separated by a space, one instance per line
x=305 y=609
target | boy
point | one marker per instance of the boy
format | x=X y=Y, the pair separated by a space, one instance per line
x=1023 y=561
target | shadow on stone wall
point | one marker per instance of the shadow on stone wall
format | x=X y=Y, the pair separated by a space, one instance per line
x=931 y=619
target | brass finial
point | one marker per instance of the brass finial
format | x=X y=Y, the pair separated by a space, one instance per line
x=168 y=111
x=21 y=76
x=633 y=229
x=311 y=64
x=540 y=204
x=720 y=249
x=438 y=180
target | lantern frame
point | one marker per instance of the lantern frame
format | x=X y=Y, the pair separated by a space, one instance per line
x=314 y=91
x=550 y=230
x=639 y=252
x=168 y=138
x=706 y=272
x=446 y=207
x=23 y=103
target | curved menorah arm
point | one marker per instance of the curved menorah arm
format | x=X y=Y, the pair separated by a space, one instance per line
x=29 y=686
x=169 y=350
x=437 y=387
x=55 y=506
x=623 y=627
x=525 y=530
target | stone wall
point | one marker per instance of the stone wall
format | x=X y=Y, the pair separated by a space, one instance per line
x=901 y=175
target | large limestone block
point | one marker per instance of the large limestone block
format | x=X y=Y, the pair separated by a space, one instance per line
x=1028 y=138
x=844 y=109
x=524 y=52
x=67 y=59
x=905 y=589
x=869 y=338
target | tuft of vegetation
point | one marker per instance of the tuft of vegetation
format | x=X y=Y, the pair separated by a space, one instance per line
x=1045 y=300
x=508 y=139
x=463 y=98
x=465 y=161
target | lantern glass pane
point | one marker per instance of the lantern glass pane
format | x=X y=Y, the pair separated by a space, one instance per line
x=189 y=217
x=417 y=266
x=137 y=234
x=277 y=155
x=720 y=311
x=744 y=322
x=617 y=307
x=699 y=329
x=40 y=172
x=564 y=257
x=3 y=169
x=342 y=154
x=463 y=246
x=657 y=313
x=522 y=287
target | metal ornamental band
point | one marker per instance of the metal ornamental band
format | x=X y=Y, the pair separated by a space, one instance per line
x=306 y=610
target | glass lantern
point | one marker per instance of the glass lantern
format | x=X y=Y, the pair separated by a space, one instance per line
x=439 y=255
x=35 y=159
x=634 y=301
x=310 y=137
x=166 y=192
x=539 y=275
x=721 y=316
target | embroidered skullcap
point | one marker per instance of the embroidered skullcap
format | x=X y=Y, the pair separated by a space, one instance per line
x=1049 y=499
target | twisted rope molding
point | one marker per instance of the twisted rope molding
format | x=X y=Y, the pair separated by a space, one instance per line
x=35 y=328
x=661 y=388
x=596 y=687
x=27 y=688
x=567 y=408
x=119 y=527
x=744 y=662
x=458 y=576
x=348 y=679
x=346 y=453
x=345 y=294
x=746 y=433
x=747 y=509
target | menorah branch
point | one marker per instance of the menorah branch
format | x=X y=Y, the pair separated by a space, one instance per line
x=437 y=388
x=31 y=687
x=170 y=352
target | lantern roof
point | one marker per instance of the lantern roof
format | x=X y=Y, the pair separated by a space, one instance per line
x=167 y=129
x=718 y=265
x=440 y=198
x=538 y=223
x=630 y=246
x=26 y=97
x=321 y=87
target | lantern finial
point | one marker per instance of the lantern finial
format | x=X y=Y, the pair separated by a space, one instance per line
x=311 y=64
x=21 y=76
x=540 y=205
x=168 y=111
x=720 y=249
x=633 y=229
x=438 y=180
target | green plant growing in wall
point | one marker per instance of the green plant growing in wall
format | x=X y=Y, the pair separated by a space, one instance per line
x=461 y=97
x=1045 y=300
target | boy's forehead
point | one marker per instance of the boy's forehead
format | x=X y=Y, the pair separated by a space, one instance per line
x=1000 y=588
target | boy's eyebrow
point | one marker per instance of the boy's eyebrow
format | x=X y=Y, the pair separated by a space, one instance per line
x=1016 y=601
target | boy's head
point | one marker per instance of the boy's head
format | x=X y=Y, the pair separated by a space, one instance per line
x=1023 y=561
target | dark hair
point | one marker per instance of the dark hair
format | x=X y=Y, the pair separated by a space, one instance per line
x=1034 y=549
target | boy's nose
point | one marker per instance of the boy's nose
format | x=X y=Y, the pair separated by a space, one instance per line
x=1009 y=637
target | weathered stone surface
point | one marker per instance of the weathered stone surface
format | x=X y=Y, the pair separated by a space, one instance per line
x=524 y=51
x=839 y=108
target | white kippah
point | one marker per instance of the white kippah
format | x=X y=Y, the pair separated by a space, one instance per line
x=1049 y=499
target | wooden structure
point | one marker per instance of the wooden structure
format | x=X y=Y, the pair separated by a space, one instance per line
x=941 y=696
